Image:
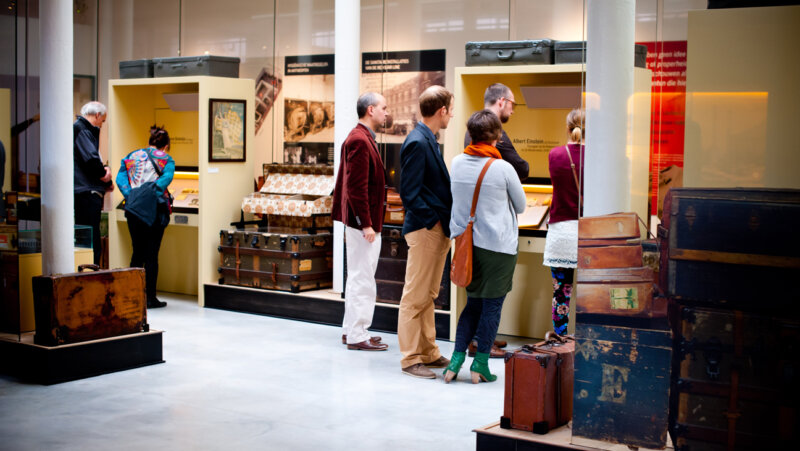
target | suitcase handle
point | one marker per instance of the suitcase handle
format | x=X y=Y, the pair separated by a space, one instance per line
x=178 y=66
x=93 y=267
x=502 y=57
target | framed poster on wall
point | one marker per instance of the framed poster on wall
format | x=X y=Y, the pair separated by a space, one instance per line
x=226 y=133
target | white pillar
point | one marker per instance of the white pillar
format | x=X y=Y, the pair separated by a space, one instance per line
x=609 y=87
x=55 y=86
x=348 y=71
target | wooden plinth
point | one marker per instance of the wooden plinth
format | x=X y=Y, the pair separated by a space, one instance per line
x=51 y=365
x=494 y=438
x=305 y=307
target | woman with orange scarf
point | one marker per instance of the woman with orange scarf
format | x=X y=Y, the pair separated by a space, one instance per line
x=495 y=233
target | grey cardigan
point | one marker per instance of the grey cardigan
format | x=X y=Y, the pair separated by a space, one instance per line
x=500 y=201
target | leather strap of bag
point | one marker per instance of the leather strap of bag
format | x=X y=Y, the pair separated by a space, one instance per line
x=572 y=165
x=478 y=189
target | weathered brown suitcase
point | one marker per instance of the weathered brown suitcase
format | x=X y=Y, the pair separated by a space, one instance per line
x=721 y=246
x=276 y=261
x=621 y=385
x=395 y=213
x=71 y=308
x=735 y=381
x=565 y=377
x=530 y=392
x=609 y=256
x=617 y=291
x=617 y=226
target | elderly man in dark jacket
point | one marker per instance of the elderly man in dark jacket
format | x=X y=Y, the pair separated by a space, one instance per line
x=92 y=177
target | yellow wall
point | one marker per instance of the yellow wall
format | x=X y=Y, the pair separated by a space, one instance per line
x=743 y=98
x=189 y=256
x=5 y=134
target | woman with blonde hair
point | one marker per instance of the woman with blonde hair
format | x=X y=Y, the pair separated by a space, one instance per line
x=561 y=244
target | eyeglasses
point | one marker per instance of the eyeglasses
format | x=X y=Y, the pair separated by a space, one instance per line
x=513 y=103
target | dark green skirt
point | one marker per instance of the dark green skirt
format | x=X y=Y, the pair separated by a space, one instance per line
x=492 y=273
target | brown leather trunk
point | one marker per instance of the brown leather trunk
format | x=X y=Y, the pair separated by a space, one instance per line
x=276 y=261
x=395 y=212
x=617 y=291
x=603 y=257
x=71 y=308
x=539 y=385
x=609 y=227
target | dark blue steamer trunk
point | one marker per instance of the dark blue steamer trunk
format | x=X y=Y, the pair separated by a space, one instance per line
x=622 y=382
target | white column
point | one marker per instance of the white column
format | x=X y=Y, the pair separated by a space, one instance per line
x=55 y=85
x=348 y=71
x=609 y=87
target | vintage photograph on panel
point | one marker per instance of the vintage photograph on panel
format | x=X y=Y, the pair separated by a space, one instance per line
x=267 y=88
x=226 y=130
x=402 y=91
x=296 y=120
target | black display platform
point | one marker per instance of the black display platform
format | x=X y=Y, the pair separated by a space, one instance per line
x=51 y=365
x=304 y=307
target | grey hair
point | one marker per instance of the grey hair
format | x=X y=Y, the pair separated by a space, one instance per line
x=494 y=92
x=365 y=101
x=94 y=108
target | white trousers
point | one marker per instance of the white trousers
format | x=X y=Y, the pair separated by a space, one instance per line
x=359 y=294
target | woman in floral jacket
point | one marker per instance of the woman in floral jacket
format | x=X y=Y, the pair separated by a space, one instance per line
x=143 y=178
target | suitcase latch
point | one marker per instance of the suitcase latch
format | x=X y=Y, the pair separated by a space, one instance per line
x=713 y=355
x=283 y=243
x=254 y=241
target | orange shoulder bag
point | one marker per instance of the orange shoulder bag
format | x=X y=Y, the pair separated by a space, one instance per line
x=461 y=267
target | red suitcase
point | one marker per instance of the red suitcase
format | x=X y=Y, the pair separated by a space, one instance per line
x=539 y=385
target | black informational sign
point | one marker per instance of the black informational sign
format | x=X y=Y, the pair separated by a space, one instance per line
x=409 y=61
x=309 y=65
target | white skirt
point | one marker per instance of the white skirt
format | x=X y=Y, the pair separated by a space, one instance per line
x=561 y=245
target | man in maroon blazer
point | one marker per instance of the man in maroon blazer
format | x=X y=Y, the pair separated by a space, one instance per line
x=358 y=202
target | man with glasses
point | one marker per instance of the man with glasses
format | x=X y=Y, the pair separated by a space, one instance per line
x=499 y=99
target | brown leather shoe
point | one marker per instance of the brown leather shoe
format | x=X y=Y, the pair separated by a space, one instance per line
x=495 y=353
x=419 y=370
x=500 y=343
x=374 y=340
x=441 y=362
x=367 y=345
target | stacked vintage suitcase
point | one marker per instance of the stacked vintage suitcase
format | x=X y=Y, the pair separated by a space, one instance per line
x=730 y=258
x=623 y=349
x=294 y=250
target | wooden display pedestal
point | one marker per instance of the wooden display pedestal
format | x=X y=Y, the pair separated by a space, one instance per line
x=322 y=306
x=51 y=365
x=494 y=438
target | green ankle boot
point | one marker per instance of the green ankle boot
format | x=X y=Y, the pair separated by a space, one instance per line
x=455 y=366
x=479 y=370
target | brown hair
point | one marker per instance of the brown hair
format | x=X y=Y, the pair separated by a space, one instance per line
x=484 y=127
x=575 y=121
x=433 y=99
x=159 y=138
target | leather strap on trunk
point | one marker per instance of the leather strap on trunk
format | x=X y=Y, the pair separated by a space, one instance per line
x=276 y=276
x=238 y=261
x=733 y=413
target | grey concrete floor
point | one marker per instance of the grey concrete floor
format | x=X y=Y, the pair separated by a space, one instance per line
x=240 y=381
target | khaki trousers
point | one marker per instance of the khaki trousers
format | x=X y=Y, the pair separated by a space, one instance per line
x=416 y=329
